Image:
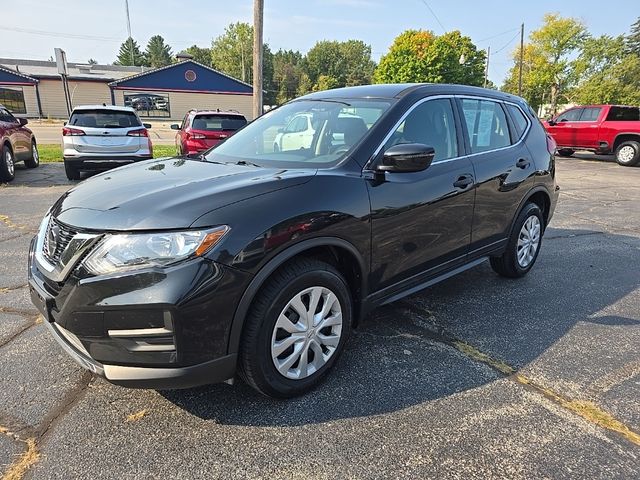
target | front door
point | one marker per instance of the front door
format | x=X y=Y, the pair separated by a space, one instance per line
x=564 y=131
x=421 y=222
x=587 y=128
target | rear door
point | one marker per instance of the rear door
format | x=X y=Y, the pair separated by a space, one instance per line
x=503 y=167
x=106 y=131
x=587 y=128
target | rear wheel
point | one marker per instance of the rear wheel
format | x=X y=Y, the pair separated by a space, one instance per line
x=524 y=244
x=7 y=165
x=628 y=153
x=296 y=329
x=565 y=152
x=72 y=172
x=34 y=161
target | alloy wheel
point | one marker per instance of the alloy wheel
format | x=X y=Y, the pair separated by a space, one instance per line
x=528 y=241
x=34 y=154
x=8 y=160
x=307 y=333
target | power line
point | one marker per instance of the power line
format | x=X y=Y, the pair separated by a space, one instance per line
x=498 y=35
x=434 y=15
x=508 y=43
x=60 y=34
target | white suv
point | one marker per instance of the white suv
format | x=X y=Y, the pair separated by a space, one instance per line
x=100 y=137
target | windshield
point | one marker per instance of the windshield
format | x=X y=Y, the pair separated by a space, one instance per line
x=306 y=133
x=104 y=119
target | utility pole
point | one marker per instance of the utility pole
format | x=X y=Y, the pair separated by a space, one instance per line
x=521 y=59
x=258 y=21
x=486 y=67
x=133 y=60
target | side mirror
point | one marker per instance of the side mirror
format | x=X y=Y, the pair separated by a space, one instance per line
x=551 y=122
x=407 y=157
x=23 y=121
x=175 y=126
x=146 y=125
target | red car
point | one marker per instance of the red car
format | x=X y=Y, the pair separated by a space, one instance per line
x=18 y=145
x=202 y=129
x=604 y=129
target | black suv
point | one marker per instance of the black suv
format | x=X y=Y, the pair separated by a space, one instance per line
x=177 y=272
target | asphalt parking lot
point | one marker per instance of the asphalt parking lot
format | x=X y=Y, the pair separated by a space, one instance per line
x=477 y=377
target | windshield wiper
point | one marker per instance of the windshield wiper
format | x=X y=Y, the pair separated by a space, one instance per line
x=244 y=162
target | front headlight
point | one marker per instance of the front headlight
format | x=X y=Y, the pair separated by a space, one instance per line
x=118 y=252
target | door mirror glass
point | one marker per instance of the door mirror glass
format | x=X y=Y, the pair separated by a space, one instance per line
x=175 y=126
x=407 y=157
x=551 y=122
x=146 y=125
x=23 y=121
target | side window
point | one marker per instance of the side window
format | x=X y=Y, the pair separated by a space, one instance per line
x=486 y=125
x=590 y=114
x=623 y=114
x=5 y=116
x=520 y=121
x=185 y=122
x=570 y=115
x=298 y=124
x=430 y=123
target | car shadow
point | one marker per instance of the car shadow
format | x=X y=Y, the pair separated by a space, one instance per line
x=397 y=359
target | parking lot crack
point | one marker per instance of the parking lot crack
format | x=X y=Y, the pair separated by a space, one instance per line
x=586 y=409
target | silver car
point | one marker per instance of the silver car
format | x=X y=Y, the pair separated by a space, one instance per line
x=100 y=137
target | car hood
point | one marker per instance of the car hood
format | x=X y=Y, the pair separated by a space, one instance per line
x=168 y=193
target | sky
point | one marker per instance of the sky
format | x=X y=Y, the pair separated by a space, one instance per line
x=96 y=28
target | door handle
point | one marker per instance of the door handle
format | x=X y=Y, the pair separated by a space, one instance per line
x=523 y=163
x=463 y=181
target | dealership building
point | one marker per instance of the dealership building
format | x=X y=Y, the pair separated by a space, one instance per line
x=34 y=89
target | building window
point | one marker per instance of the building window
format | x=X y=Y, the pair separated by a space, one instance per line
x=13 y=99
x=148 y=104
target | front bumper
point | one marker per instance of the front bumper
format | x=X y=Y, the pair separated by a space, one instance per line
x=155 y=328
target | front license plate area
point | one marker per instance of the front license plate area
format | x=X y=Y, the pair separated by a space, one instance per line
x=43 y=304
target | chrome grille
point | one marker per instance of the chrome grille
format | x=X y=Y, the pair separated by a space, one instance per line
x=63 y=236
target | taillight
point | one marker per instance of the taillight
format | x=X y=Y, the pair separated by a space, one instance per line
x=551 y=145
x=196 y=136
x=141 y=132
x=70 y=132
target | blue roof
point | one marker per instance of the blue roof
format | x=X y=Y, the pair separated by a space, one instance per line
x=10 y=77
x=188 y=76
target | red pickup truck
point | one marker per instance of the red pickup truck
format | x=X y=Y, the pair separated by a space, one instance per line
x=604 y=129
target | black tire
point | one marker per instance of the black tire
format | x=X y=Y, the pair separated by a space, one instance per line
x=565 y=152
x=72 y=172
x=256 y=366
x=7 y=164
x=624 y=156
x=507 y=265
x=34 y=161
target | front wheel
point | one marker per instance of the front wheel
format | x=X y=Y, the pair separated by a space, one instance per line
x=34 y=161
x=565 y=152
x=523 y=245
x=628 y=153
x=7 y=165
x=296 y=329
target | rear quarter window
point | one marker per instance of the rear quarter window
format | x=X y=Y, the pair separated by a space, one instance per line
x=623 y=114
x=104 y=119
x=520 y=121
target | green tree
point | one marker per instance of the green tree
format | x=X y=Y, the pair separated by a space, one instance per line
x=422 y=56
x=91 y=61
x=305 y=86
x=287 y=71
x=325 y=82
x=158 y=53
x=200 y=55
x=551 y=69
x=232 y=52
x=130 y=54
x=633 y=39
x=349 y=62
